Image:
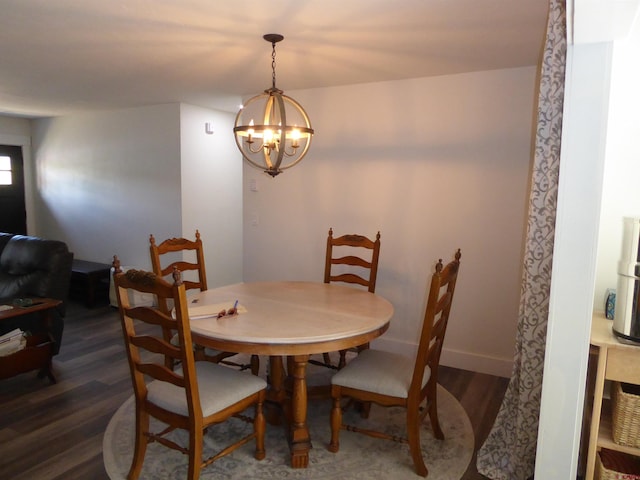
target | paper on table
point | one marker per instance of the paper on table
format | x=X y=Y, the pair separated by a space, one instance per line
x=15 y=333
x=5 y=307
x=12 y=342
x=212 y=309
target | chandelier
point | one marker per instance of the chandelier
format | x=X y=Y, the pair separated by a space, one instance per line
x=272 y=130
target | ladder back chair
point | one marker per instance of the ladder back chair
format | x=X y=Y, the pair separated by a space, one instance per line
x=390 y=379
x=194 y=397
x=175 y=246
x=179 y=246
x=356 y=264
x=369 y=266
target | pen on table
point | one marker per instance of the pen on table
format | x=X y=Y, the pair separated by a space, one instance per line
x=235 y=305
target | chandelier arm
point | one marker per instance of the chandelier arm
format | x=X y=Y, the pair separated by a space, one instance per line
x=298 y=160
x=247 y=158
x=261 y=147
x=293 y=151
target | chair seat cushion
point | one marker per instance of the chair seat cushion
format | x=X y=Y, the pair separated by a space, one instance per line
x=380 y=372
x=219 y=387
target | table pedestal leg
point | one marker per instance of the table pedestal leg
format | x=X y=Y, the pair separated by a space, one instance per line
x=298 y=428
x=276 y=394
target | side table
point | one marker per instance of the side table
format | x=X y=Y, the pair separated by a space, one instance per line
x=90 y=281
x=39 y=350
x=618 y=362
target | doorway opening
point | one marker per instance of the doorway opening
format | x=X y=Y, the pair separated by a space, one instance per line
x=13 y=212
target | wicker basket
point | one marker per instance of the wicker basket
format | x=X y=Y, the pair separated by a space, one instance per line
x=625 y=400
x=612 y=465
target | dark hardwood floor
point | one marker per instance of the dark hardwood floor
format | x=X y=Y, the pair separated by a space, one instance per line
x=55 y=431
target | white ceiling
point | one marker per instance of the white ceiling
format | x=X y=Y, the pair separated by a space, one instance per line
x=66 y=56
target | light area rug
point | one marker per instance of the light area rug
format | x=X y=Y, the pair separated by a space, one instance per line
x=360 y=456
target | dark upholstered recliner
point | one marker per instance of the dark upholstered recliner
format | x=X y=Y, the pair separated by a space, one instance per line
x=34 y=267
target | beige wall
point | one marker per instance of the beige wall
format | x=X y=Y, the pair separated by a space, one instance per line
x=385 y=157
x=107 y=180
x=211 y=179
x=434 y=164
x=14 y=127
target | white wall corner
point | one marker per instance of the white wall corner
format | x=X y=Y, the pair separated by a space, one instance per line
x=594 y=21
x=574 y=258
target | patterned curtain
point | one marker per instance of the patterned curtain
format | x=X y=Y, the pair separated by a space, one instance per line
x=509 y=451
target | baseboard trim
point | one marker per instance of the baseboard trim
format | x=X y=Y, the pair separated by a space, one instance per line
x=500 y=367
x=473 y=362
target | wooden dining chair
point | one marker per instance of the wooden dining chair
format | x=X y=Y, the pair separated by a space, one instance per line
x=193 y=397
x=178 y=247
x=390 y=379
x=175 y=249
x=351 y=259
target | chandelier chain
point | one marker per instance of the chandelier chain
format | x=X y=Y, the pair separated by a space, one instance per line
x=273 y=64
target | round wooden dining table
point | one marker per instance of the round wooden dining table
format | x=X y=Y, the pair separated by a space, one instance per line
x=292 y=319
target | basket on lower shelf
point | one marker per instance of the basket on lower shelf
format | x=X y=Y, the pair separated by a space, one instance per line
x=625 y=401
x=612 y=465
